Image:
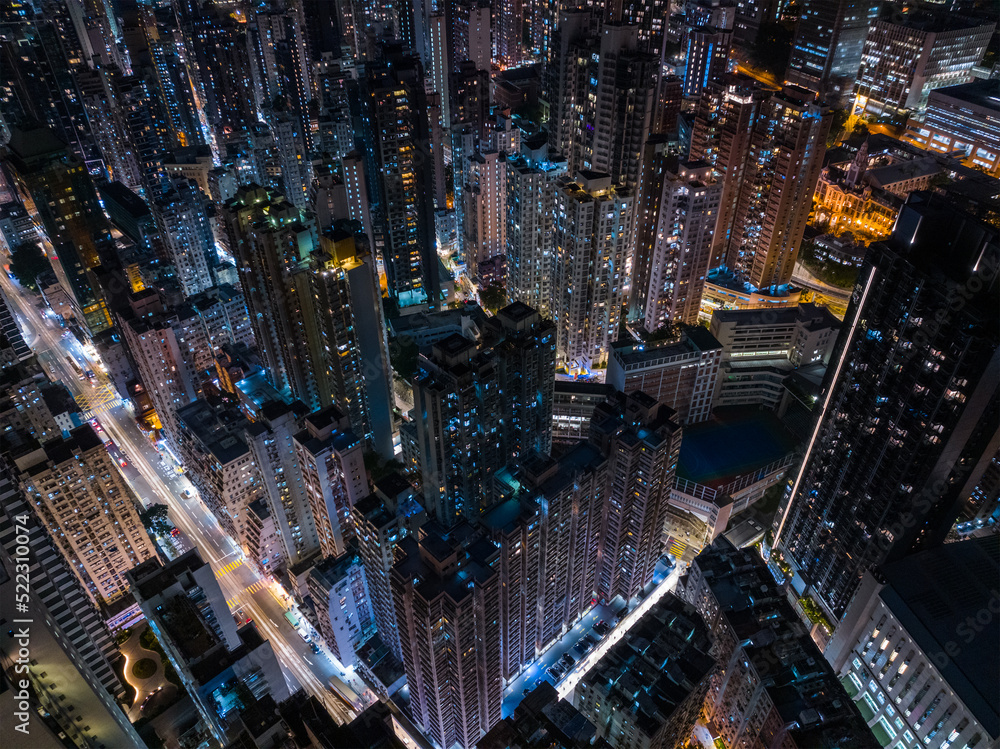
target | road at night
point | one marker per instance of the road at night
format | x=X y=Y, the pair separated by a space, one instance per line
x=156 y=480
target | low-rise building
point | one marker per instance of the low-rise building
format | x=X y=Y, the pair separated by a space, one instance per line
x=542 y=719
x=761 y=347
x=215 y=660
x=342 y=604
x=772 y=687
x=679 y=372
x=962 y=119
x=648 y=689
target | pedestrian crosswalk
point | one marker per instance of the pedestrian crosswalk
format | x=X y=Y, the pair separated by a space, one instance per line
x=236 y=601
x=103 y=408
x=677 y=548
x=228 y=568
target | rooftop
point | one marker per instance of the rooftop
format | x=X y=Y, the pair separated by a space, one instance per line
x=981 y=92
x=934 y=594
x=737 y=441
x=652 y=671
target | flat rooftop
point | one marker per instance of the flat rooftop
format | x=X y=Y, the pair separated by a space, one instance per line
x=737 y=441
x=934 y=594
x=980 y=92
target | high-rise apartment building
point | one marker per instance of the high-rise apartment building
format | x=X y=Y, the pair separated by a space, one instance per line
x=213 y=445
x=270 y=438
x=342 y=602
x=457 y=407
x=642 y=441
x=463 y=434
x=484 y=212
x=55 y=185
x=381 y=520
x=782 y=165
x=673 y=247
x=524 y=346
x=910 y=403
x=70 y=674
x=709 y=43
x=447 y=597
x=906 y=56
x=182 y=219
x=88 y=509
x=724 y=124
x=396 y=114
x=530 y=263
x=829 y=40
x=592 y=238
x=356 y=361
x=509 y=34
x=602 y=108
x=271 y=241
x=547 y=534
x=164 y=370
x=330 y=461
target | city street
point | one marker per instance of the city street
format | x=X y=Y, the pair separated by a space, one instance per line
x=155 y=480
x=664 y=580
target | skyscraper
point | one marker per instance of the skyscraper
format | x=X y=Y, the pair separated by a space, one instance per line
x=602 y=108
x=446 y=594
x=352 y=329
x=87 y=507
x=330 y=461
x=909 y=406
x=829 y=39
x=530 y=258
x=710 y=38
x=485 y=211
x=593 y=228
x=397 y=129
x=524 y=345
x=271 y=241
x=642 y=443
x=674 y=244
x=381 y=520
x=724 y=124
x=783 y=163
x=182 y=218
x=456 y=404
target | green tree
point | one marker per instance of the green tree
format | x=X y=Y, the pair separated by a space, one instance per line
x=155 y=520
x=403 y=353
x=27 y=262
x=493 y=297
